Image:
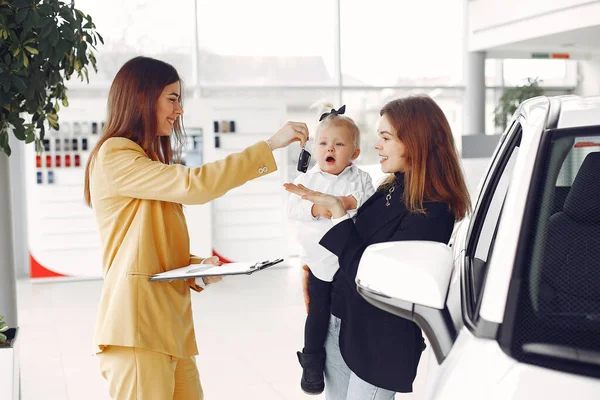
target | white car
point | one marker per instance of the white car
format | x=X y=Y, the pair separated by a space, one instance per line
x=512 y=308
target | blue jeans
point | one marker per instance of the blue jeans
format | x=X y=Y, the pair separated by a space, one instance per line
x=340 y=382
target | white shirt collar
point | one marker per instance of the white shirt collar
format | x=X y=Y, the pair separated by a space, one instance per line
x=316 y=169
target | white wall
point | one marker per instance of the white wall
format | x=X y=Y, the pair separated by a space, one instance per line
x=588 y=82
x=498 y=22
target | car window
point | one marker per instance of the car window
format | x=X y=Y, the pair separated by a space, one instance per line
x=555 y=318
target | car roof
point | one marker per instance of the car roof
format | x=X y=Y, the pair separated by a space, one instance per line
x=578 y=111
x=569 y=111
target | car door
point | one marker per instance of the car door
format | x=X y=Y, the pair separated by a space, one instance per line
x=551 y=325
x=472 y=364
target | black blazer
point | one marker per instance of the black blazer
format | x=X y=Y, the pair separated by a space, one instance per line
x=379 y=347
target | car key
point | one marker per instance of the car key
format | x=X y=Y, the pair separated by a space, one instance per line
x=303 y=160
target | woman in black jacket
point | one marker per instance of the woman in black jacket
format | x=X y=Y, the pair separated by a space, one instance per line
x=372 y=354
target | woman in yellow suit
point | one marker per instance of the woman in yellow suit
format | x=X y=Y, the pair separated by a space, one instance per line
x=144 y=330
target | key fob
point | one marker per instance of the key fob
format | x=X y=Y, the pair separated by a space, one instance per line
x=303 y=161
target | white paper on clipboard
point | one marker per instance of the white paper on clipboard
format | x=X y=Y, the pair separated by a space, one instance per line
x=202 y=270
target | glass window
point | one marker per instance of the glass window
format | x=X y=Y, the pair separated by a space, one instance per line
x=549 y=72
x=140 y=27
x=266 y=42
x=402 y=42
x=487 y=216
x=492 y=99
x=557 y=317
x=581 y=148
x=494 y=72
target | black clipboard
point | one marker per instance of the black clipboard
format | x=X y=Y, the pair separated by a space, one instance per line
x=202 y=270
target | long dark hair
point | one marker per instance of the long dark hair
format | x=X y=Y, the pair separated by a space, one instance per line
x=131 y=111
x=434 y=172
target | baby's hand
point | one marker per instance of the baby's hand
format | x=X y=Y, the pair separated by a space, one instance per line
x=349 y=202
x=319 y=211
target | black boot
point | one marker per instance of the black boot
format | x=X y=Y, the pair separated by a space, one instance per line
x=312 y=381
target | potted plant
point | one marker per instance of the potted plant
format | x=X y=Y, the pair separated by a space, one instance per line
x=9 y=377
x=42 y=44
x=512 y=97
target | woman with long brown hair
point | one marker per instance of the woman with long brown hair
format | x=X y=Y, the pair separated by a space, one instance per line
x=144 y=330
x=371 y=354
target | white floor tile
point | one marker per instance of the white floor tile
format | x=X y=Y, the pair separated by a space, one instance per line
x=248 y=330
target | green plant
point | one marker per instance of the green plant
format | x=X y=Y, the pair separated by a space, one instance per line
x=3 y=328
x=42 y=43
x=512 y=97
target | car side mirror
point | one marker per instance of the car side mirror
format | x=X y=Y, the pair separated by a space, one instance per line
x=410 y=279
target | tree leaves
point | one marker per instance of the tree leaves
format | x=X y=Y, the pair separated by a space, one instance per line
x=3 y=138
x=31 y=50
x=21 y=3
x=54 y=37
x=4 y=141
x=512 y=98
x=19 y=132
x=62 y=48
x=67 y=32
x=5 y=84
x=42 y=43
x=21 y=15
x=19 y=83
x=47 y=29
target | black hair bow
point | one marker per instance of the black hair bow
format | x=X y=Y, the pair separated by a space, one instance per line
x=333 y=111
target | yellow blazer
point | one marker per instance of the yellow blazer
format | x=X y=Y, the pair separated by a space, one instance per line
x=138 y=207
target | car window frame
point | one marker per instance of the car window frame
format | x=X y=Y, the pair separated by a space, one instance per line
x=470 y=305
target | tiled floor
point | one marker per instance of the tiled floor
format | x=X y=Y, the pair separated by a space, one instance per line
x=248 y=330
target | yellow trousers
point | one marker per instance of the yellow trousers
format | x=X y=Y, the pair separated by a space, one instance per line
x=134 y=373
